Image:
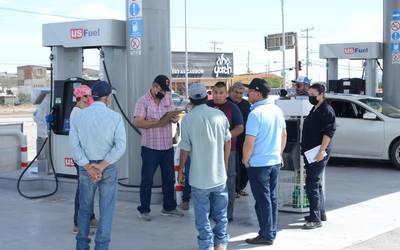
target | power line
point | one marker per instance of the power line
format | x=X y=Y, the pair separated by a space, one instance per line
x=38 y=13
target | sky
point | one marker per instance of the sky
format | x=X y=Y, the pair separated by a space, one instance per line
x=237 y=26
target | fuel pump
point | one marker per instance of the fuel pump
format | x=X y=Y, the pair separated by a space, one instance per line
x=63 y=102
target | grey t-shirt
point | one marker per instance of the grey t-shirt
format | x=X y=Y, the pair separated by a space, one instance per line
x=204 y=132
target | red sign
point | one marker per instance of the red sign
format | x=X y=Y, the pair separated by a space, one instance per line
x=76 y=33
x=68 y=162
x=349 y=50
x=395 y=26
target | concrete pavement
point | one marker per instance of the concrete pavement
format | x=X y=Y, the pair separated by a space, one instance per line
x=363 y=201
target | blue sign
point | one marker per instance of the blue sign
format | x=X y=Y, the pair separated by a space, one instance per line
x=135 y=28
x=396 y=15
x=395 y=47
x=134 y=9
x=395 y=36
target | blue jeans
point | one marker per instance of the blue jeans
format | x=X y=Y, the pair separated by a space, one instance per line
x=107 y=197
x=217 y=199
x=151 y=159
x=76 y=203
x=187 y=190
x=231 y=183
x=314 y=188
x=264 y=183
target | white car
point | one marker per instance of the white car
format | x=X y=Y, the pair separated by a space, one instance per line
x=367 y=128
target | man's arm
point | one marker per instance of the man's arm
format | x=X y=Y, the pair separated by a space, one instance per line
x=76 y=149
x=284 y=139
x=227 y=151
x=118 y=148
x=182 y=160
x=248 y=147
x=237 y=130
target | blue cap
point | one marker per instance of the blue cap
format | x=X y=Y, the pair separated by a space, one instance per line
x=197 y=91
x=101 y=88
x=302 y=79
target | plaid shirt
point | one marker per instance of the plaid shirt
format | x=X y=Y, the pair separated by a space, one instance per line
x=155 y=138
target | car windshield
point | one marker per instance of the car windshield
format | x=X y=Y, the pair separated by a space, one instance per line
x=382 y=107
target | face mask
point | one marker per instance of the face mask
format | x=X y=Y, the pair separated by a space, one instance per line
x=160 y=95
x=313 y=100
x=90 y=100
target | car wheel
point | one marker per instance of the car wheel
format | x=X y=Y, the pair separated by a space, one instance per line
x=395 y=154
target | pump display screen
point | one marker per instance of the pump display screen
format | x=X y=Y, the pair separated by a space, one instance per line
x=64 y=101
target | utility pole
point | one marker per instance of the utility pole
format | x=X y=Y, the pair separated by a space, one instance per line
x=283 y=73
x=307 y=36
x=248 y=62
x=214 y=47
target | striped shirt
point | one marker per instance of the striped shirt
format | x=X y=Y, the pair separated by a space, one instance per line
x=147 y=108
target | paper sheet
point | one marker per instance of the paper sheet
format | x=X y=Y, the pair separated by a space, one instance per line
x=312 y=153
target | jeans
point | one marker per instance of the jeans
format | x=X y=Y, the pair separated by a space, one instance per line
x=76 y=204
x=314 y=189
x=187 y=190
x=151 y=159
x=107 y=197
x=231 y=183
x=264 y=183
x=241 y=170
x=215 y=199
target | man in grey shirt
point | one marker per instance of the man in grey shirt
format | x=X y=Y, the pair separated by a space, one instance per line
x=206 y=136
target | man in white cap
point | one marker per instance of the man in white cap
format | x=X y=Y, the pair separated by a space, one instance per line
x=302 y=83
x=205 y=133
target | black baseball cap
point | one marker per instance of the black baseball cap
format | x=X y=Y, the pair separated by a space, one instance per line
x=163 y=81
x=101 y=88
x=259 y=85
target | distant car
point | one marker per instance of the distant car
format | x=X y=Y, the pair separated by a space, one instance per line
x=367 y=128
x=179 y=101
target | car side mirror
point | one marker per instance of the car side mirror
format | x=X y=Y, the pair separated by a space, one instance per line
x=369 y=116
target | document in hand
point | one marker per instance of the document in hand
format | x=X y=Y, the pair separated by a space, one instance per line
x=312 y=153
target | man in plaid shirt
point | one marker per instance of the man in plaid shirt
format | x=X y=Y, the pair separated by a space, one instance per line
x=154 y=113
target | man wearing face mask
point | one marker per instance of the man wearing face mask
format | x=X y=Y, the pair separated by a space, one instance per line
x=318 y=130
x=154 y=113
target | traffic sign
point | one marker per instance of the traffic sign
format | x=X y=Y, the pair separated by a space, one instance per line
x=135 y=27
x=135 y=8
x=135 y=43
x=395 y=36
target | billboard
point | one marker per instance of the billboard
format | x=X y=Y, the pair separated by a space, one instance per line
x=202 y=65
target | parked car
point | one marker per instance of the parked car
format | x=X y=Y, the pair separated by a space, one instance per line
x=367 y=128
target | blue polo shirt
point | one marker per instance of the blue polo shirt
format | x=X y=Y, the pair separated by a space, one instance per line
x=266 y=123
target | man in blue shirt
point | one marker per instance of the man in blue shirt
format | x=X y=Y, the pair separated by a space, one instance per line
x=97 y=140
x=262 y=155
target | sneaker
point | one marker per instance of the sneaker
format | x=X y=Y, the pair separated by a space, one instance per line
x=173 y=212
x=145 y=216
x=184 y=205
x=259 y=241
x=75 y=229
x=307 y=218
x=237 y=196
x=93 y=223
x=312 y=225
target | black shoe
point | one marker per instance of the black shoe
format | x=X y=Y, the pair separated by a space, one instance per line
x=307 y=218
x=259 y=241
x=230 y=220
x=312 y=225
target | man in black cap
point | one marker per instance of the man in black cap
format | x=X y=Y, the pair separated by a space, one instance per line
x=97 y=140
x=154 y=113
x=262 y=155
